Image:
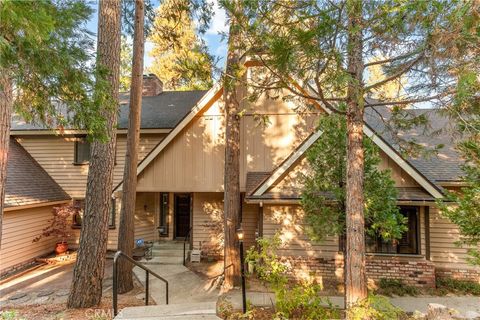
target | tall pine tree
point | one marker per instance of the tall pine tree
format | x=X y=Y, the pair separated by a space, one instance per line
x=88 y=273
x=180 y=58
x=45 y=55
x=126 y=227
x=323 y=50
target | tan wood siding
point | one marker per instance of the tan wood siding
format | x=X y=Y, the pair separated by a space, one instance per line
x=145 y=221
x=291 y=183
x=208 y=221
x=56 y=155
x=193 y=161
x=423 y=247
x=145 y=216
x=443 y=235
x=401 y=178
x=287 y=221
x=249 y=223
x=20 y=227
x=112 y=239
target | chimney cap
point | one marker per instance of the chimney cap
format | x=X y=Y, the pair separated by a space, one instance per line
x=152 y=86
x=150 y=75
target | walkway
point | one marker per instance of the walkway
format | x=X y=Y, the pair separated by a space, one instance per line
x=190 y=296
x=465 y=305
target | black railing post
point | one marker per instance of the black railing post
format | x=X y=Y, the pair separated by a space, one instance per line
x=166 y=297
x=184 y=244
x=117 y=256
x=242 y=271
x=115 y=283
x=147 y=293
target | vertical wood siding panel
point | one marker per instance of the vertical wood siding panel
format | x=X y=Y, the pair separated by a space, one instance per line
x=287 y=221
x=443 y=235
x=56 y=155
x=263 y=147
x=20 y=228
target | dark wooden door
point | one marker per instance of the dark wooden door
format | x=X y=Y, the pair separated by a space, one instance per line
x=182 y=215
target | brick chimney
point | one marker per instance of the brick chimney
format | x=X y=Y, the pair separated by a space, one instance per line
x=152 y=86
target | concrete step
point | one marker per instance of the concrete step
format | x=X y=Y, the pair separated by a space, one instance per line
x=168 y=252
x=163 y=260
x=168 y=245
x=194 y=311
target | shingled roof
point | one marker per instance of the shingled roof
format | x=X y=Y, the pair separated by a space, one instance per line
x=445 y=165
x=163 y=111
x=27 y=182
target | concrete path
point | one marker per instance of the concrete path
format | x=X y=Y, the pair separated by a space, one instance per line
x=190 y=296
x=184 y=285
x=193 y=311
x=463 y=304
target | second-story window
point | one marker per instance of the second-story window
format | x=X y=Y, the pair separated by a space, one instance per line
x=82 y=151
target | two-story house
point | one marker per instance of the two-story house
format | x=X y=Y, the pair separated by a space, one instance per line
x=180 y=183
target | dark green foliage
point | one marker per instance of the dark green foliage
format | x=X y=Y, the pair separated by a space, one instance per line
x=292 y=301
x=448 y=285
x=47 y=53
x=417 y=52
x=324 y=192
x=390 y=287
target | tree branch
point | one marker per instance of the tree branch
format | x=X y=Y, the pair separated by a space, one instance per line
x=396 y=74
x=408 y=101
x=400 y=57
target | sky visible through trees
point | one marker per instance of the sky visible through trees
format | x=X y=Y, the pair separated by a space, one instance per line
x=216 y=46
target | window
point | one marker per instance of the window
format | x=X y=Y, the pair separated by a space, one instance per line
x=163 y=221
x=408 y=244
x=80 y=203
x=82 y=151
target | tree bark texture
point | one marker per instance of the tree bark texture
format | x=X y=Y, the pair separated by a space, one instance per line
x=86 y=288
x=232 y=199
x=355 y=278
x=6 y=106
x=127 y=215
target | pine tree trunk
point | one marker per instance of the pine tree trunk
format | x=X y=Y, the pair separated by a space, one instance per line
x=86 y=288
x=232 y=163
x=126 y=230
x=6 y=106
x=355 y=278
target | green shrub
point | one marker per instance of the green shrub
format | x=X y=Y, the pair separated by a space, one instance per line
x=375 y=307
x=296 y=301
x=458 y=286
x=9 y=315
x=303 y=301
x=390 y=287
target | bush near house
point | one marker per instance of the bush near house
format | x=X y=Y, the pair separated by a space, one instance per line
x=449 y=285
x=391 y=287
x=302 y=300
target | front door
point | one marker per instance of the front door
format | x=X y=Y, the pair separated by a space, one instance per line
x=182 y=214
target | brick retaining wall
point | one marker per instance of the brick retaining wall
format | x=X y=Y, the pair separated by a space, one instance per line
x=459 y=274
x=329 y=271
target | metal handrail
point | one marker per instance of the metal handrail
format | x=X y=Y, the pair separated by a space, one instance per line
x=119 y=254
x=184 y=244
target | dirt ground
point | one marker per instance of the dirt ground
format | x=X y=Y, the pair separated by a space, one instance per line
x=42 y=293
x=60 y=312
